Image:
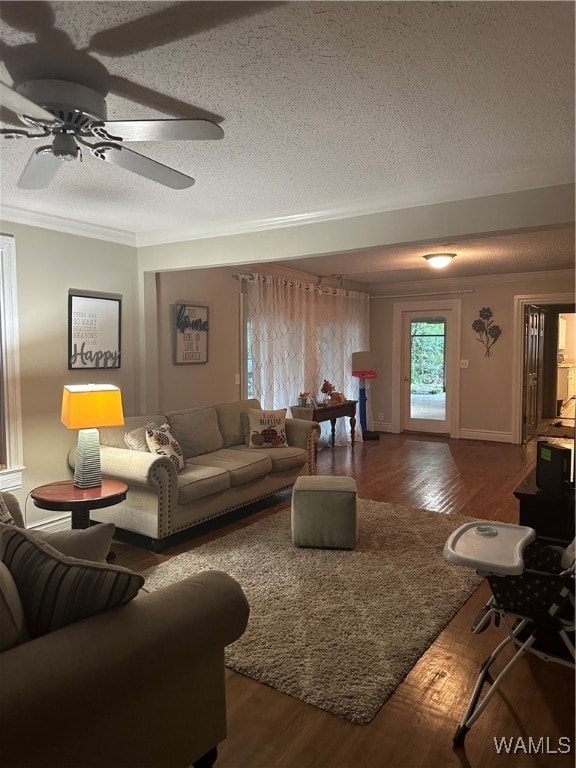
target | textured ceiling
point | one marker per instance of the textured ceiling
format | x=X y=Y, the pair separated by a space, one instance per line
x=327 y=108
x=489 y=255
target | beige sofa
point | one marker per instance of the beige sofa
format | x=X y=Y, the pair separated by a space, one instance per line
x=141 y=685
x=221 y=472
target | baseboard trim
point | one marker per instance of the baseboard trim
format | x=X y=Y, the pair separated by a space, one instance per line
x=486 y=436
x=464 y=434
x=52 y=524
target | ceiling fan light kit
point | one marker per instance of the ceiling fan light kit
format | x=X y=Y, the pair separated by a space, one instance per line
x=73 y=115
x=439 y=260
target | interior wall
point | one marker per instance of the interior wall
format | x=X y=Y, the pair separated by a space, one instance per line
x=182 y=386
x=48 y=264
x=486 y=395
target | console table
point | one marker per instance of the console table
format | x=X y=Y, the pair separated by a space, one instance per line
x=330 y=413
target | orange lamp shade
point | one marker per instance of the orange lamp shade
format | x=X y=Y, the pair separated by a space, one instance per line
x=86 y=406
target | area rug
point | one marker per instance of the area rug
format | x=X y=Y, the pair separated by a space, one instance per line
x=337 y=629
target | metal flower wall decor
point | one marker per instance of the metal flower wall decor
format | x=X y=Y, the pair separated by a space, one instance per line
x=488 y=332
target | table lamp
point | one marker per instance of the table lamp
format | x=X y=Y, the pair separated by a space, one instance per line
x=364 y=367
x=87 y=407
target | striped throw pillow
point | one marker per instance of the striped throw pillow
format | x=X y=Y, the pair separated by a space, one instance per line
x=56 y=589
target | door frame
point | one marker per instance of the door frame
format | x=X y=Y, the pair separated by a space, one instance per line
x=521 y=301
x=452 y=374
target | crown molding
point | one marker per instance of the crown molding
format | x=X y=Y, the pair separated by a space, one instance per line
x=68 y=226
x=449 y=192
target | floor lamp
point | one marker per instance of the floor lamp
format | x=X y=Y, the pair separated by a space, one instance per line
x=364 y=368
x=86 y=407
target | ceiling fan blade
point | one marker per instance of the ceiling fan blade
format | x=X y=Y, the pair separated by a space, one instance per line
x=144 y=166
x=40 y=169
x=22 y=106
x=160 y=130
x=178 y=21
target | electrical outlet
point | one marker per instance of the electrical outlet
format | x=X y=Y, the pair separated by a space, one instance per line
x=237 y=379
x=463 y=363
x=380 y=417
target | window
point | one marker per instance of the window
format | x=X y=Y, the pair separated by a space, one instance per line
x=11 y=450
x=297 y=334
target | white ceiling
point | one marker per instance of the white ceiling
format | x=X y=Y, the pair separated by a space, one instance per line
x=328 y=108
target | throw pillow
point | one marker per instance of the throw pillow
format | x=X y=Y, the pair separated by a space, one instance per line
x=85 y=543
x=163 y=442
x=136 y=438
x=12 y=626
x=267 y=429
x=57 y=590
x=5 y=514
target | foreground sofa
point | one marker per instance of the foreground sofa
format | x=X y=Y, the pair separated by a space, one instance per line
x=221 y=472
x=141 y=685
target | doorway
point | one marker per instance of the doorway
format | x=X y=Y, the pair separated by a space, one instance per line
x=426 y=353
x=535 y=364
x=424 y=368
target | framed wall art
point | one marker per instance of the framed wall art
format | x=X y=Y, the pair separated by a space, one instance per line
x=93 y=331
x=191 y=330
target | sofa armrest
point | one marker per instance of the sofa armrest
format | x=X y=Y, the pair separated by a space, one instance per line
x=14 y=508
x=301 y=433
x=139 y=685
x=138 y=467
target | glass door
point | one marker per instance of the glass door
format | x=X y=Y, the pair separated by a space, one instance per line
x=426 y=360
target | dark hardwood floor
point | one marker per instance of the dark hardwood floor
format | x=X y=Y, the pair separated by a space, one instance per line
x=534 y=709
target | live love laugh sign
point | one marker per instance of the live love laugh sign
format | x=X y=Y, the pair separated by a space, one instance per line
x=93 y=331
x=190 y=334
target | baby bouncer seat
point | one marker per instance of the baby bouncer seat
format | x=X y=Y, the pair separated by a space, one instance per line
x=532 y=584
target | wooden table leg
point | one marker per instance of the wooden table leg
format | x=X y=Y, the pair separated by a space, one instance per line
x=81 y=517
x=352 y=429
x=333 y=440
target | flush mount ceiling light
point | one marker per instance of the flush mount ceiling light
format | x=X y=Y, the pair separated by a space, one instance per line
x=439 y=260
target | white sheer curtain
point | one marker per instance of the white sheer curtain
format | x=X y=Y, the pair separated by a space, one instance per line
x=300 y=334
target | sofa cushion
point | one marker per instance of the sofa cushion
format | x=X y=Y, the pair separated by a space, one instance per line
x=195 y=482
x=136 y=438
x=87 y=544
x=163 y=442
x=196 y=429
x=242 y=467
x=115 y=437
x=57 y=590
x=282 y=459
x=266 y=429
x=12 y=626
x=231 y=422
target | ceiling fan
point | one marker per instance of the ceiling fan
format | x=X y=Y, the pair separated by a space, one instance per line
x=73 y=117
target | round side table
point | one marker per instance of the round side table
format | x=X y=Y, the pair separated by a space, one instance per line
x=64 y=495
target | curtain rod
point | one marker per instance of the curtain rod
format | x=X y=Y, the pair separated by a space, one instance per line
x=409 y=295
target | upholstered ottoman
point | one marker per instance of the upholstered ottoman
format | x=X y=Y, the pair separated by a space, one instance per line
x=324 y=512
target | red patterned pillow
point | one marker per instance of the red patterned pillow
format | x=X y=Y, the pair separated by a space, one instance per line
x=267 y=429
